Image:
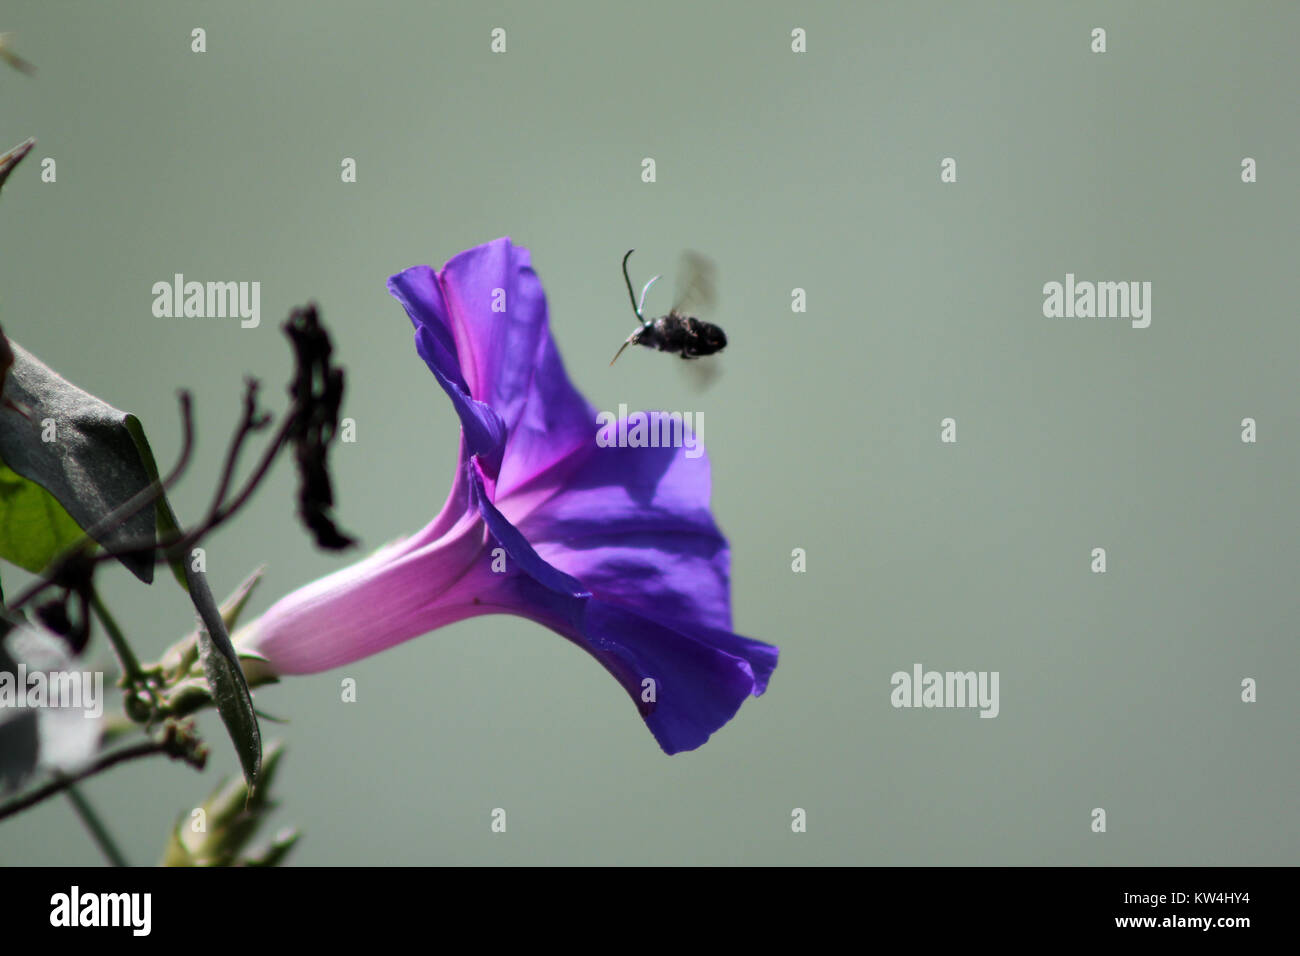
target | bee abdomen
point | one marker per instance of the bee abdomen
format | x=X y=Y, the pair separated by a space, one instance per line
x=684 y=334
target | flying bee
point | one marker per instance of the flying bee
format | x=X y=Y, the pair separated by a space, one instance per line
x=677 y=332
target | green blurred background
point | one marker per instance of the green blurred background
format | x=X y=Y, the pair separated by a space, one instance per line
x=818 y=171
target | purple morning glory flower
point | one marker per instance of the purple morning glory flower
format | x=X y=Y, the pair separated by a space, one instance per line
x=612 y=547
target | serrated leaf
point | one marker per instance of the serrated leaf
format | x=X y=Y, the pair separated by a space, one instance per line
x=34 y=527
x=91 y=467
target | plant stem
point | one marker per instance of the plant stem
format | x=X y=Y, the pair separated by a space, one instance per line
x=145 y=749
x=96 y=826
x=125 y=656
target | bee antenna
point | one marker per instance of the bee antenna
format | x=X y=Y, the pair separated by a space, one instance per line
x=630 y=294
x=641 y=305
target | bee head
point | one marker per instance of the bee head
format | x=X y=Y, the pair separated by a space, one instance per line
x=633 y=339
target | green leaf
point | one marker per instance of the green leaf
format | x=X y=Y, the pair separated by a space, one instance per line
x=78 y=448
x=274 y=852
x=180 y=657
x=226 y=678
x=168 y=526
x=233 y=814
x=98 y=460
x=34 y=528
x=233 y=606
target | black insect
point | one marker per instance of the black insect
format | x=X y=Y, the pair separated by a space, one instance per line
x=677 y=332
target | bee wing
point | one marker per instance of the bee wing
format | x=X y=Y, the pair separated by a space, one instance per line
x=12 y=58
x=695 y=284
x=701 y=373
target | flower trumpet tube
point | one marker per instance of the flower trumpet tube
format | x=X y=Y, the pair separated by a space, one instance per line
x=614 y=548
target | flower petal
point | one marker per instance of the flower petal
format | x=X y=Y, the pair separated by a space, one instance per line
x=700 y=675
x=482 y=327
x=700 y=679
x=399 y=592
x=518 y=548
x=419 y=292
x=634 y=526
